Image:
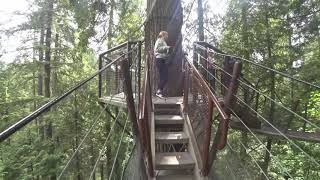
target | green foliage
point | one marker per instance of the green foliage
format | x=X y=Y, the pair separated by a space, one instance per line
x=277 y=34
x=43 y=147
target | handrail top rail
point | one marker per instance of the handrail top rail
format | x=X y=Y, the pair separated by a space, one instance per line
x=207 y=89
x=141 y=112
x=210 y=46
x=27 y=119
x=124 y=44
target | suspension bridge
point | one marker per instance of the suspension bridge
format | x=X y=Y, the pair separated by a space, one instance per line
x=182 y=137
x=202 y=133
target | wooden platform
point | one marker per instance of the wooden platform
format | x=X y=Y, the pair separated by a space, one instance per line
x=116 y=100
x=269 y=131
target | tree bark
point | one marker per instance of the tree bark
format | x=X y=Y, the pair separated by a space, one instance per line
x=267 y=157
x=200 y=21
x=40 y=76
x=108 y=125
x=76 y=126
x=245 y=51
x=166 y=15
x=55 y=61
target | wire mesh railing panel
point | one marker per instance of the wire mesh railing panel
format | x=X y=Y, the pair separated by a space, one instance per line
x=197 y=108
x=135 y=168
x=271 y=107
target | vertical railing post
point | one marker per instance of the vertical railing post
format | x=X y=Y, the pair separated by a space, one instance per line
x=186 y=88
x=129 y=94
x=228 y=102
x=129 y=54
x=207 y=137
x=139 y=70
x=147 y=123
x=195 y=56
x=100 y=78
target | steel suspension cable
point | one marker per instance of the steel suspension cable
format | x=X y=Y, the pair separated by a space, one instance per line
x=277 y=103
x=255 y=161
x=231 y=170
x=262 y=66
x=77 y=149
x=103 y=150
x=84 y=138
x=260 y=142
x=242 y=166
x=24 y=121
x=117 y=153
x=263 y=118
x=125 y=168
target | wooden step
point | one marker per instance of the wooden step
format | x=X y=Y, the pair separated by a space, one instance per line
x=168 y=119
x=167 y=100
x=175 y=160
x=167 y=111
x=175 y=177
x=169 y=128
x=171 y=137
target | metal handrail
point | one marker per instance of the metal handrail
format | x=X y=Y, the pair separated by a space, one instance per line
x=144 y=118
x=207 y=89
x=24 y=121
x=221 y=135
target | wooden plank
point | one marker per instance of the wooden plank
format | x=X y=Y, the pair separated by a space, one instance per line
x=168 y=119
x=174 y=160
x=116 y=100
x=167 y=100
x=269 y=131
x=175 y=177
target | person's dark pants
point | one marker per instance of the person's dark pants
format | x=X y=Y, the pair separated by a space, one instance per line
x=163 y=72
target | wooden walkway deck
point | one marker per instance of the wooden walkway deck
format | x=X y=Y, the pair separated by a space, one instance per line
x=269 y=131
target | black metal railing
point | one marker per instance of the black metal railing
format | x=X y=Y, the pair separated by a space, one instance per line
x=112 y=79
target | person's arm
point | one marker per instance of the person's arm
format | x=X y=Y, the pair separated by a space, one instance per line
x=161 y=46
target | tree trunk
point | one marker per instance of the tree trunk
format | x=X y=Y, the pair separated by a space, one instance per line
x=40 y=76
x=76 y=119
x=107 y=126
x=200 y=21
x=166 y=15
x=93 y=159
x=56 y=62
x=245 y=51
x=47 y=68
x=101 y=171
x=267 y=157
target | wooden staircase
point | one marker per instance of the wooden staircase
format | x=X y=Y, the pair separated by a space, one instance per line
x=173 y=152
